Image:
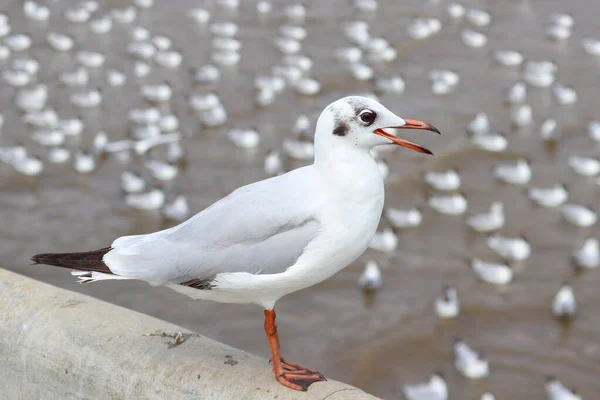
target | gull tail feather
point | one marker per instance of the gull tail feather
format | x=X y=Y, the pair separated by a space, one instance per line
x=88 y=262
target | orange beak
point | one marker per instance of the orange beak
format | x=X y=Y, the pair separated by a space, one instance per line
x=410 y=124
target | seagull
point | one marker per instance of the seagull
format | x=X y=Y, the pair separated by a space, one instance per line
x=555 y=390
x=273 y=237
x=244 y=138
x=403 y=218
x=84 y=162
x=516 y=174
x=513 y=249
x=480 y=125
x=517 y=93
x=549 y=130
x=29 y=166
x=444 y=181
x=493 y=142
x=594 y=130
x=386 y=240
x=370 y=279
x=453 y=204
x=508 y=57
x=591 y=46
x=435 y=389
x=565 y=95
x=447 y=304
x=585 y=166
x=473 y=38
x=497 y=274
x=162 y=171
x=132 y=182
x=468 y=362
x=456 y=10
x=490 y=221
x=478 y=17
x=522 y=115
x=178 y=210
x=273 y=163
x=488 y=396
x=150 y=200
x=588 y=256
x=564 y=305
x=579 y=215
x=553 y=196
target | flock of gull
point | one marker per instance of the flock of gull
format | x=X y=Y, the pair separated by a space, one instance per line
x=154 y=135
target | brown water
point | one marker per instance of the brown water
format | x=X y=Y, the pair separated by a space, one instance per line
x=394 y=338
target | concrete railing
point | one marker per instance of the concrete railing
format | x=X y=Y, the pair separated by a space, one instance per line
x=56 y=344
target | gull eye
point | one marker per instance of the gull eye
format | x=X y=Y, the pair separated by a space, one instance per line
x=367 y=117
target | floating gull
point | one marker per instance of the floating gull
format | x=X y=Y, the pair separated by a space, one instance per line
x=494 y=273
x=564 y=304
x=565 y=95
x=244 y=138
x=579 y=215
x=584 y=166
x=435 y=389
x=150 y=200
x=177 y=210
x=517 y=93
x=84 y=162
x=555 y=390
x=386 y=240
x=549 y=130
x=489 y=221
x=509 y=248
x=473 y=38
x=446 y=304
x=162 y=171
x=273 y=164
x=468 y=362
x=588 y=256
x=478 y=17
x=370 y=279
x=515 y=174
x=403 y=218
x=445 y=181
x=453 y=204
x=508 y=57
x=132 y=182
x=549 y=197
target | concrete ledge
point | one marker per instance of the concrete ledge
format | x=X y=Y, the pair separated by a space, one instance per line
x=56 y=344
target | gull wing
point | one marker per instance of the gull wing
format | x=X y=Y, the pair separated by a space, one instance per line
x=261 y=228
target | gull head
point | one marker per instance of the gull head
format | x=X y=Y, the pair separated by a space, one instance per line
x=363 y=123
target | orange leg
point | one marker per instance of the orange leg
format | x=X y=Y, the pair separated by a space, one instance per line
x=288 y=374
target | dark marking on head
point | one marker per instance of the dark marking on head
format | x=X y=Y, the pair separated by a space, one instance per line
x=341 y=129
x=356 y=103
x=202 y=284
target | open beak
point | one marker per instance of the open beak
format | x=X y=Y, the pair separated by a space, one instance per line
x=410 y=124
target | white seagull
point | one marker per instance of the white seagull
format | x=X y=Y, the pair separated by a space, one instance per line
x=497 y=274
x=490 y=221
x=549 y=197
x=516 y=174
x=435 y=389
x=555 y=390
x=370 y=280
x=468 y=362
x=588 y=256
x=445 y=181
x=447 y=304
x=273 y=237
x=514 y=249
x=564 y=305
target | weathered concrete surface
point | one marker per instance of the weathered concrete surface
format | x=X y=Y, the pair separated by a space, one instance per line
x=56 y=344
